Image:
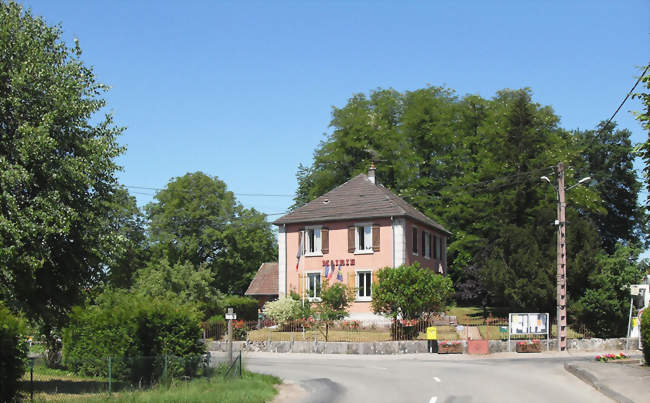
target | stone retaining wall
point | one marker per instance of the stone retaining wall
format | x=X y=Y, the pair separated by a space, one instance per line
x=404 y=347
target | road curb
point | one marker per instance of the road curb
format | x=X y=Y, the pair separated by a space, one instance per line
x=591 y=379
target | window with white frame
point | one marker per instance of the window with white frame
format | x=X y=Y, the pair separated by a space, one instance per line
x=313 y=285
x=426 y=244
x=312 y=241
x=363 y=238
x=364 y=285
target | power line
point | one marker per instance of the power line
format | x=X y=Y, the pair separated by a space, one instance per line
x=624 y=99
x=189 y=191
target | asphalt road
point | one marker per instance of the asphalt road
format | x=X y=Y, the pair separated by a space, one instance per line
x=427 y=378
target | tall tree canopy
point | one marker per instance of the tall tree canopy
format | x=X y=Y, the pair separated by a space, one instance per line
x=58 y=190
x=196 y=219
x=474 y=165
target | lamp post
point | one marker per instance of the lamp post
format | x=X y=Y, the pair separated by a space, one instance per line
x=561 y=252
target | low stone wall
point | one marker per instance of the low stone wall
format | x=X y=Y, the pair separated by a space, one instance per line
x=404 y=347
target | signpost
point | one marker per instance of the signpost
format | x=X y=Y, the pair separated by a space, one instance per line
x=528 y=323
x=230 y=315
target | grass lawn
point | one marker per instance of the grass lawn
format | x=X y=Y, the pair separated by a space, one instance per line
x=361 y=335
x=59 y=385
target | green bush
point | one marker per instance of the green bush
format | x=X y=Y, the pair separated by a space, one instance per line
x=283 y=310
x=645 y=335
x=13 y=352
x=244 y=307
x=128 y=328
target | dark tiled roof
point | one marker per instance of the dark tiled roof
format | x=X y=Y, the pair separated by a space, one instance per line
x=265 y=281
x=355 y=199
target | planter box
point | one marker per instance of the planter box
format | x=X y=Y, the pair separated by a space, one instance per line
x=529 y=348
x=451 y=349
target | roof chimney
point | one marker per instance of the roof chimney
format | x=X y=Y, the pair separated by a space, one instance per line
x=371 y=172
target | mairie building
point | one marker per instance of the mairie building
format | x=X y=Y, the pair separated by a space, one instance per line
x=349 y=233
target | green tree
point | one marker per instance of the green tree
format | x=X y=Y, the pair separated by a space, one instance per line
x=604 y=306
x=334 y=304
x=608 y=157
x=181 y=282
x=57 y=172
x=644 y=118
x=197 y=220
x=410 y=292
x=128 y=221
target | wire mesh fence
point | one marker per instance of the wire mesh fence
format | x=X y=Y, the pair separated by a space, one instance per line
x=113 y=374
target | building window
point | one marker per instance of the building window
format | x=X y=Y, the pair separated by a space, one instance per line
x=312 y=241
x=426 y=244
x=437 y=247
x=415 y=241
x=363 y=241
x=313 y=286
x=364 y=285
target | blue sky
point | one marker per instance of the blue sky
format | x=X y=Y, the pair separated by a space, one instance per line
x=244 y=90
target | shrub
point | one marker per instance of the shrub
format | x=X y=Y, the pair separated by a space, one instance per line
x=13 y=352
x=283 y=310
x=129 y=327
x=244 y=307
x=410 y=292
x=645 y=334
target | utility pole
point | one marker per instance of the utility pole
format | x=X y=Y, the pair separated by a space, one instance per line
x=561 y=260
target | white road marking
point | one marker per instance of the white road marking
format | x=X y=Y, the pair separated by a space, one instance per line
x=370 y=366
x=436 y=378
x=433 y=399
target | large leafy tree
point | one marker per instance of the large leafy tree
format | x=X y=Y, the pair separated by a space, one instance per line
x=196 y=219
x=474 y=165
x=57 y=171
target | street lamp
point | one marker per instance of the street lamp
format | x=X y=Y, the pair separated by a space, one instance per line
x=561 y=251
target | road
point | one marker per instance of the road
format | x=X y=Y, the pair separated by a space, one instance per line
x=427 y=378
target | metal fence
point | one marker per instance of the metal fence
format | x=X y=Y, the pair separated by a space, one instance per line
x=447 y=328
x=115 y=374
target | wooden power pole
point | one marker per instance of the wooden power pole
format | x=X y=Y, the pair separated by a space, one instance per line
x=561 y=261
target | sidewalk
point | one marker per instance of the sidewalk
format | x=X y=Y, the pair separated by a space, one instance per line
x=621 y=382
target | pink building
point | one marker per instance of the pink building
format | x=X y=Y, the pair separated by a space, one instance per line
x=349 y=233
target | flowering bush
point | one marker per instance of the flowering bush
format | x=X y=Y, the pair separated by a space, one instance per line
x=409 y=322
x=524 y=342
x=283 y=309
x=351 y=324
x=307 y=323
x=450 y=343
x=607 y=357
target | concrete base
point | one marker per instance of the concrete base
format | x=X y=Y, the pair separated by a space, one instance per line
x=405 y=347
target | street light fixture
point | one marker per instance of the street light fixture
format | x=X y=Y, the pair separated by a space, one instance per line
x=561 y=252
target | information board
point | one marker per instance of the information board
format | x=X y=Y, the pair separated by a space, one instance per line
x=528 y=323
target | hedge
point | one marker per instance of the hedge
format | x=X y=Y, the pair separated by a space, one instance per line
x=244 y=307
x=13 y=352
x=135 y=331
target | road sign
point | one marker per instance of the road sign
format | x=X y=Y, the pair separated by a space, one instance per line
x=432 y=333
x=232 y=316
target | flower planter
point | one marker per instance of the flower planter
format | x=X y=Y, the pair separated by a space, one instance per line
x=529 y=348
x=453 y=348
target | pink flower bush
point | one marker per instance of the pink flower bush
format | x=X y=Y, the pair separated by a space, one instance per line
x=610 y=356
